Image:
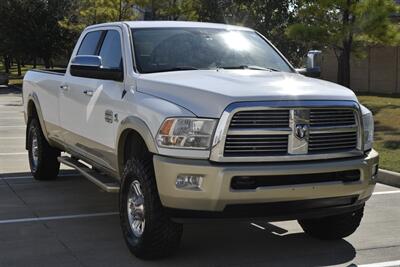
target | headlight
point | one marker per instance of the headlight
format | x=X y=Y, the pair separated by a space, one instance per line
x=368 y=123
x=187 y=133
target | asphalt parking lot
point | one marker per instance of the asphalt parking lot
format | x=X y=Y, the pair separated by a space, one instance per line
x=70 y=222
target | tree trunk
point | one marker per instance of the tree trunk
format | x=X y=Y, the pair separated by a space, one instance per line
x=46 y=62
x=345 y=55
x=19 y=66
x=34 y=62
x=6 y=64
x=343 y=73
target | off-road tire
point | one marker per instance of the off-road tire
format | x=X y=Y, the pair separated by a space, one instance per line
x=161 y=236
x=333 y=227
x=47 y=166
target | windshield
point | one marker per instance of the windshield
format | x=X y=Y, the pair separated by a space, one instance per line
x=174 y=49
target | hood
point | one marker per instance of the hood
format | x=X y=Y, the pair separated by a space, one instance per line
x=207 y=93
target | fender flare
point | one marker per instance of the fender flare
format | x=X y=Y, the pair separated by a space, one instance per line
x=32 y=97
x=136 y=124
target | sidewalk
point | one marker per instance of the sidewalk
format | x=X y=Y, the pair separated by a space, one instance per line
x=389 y=178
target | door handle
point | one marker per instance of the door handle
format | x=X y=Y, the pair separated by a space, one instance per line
x=64 y=87
x=88 y=92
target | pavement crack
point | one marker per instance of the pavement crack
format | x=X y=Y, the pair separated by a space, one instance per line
x=383 y=247
x=20 y=198
x=70 y=251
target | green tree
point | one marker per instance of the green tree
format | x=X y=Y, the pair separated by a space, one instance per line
x=346 y=26
x=269 y=17
x=272 y=18
x=169 y=9
x=88 y=12
x=29 y=29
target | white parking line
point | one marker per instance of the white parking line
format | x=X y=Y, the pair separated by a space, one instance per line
x=381 y=264
x=11 y=138
x=387 y=192
x=12 y=126
x=12 y=154
x=31 y=177
x=52 y=218
x=258 y=226
x=14 y=119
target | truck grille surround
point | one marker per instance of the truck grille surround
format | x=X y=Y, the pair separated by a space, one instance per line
x=258 y=133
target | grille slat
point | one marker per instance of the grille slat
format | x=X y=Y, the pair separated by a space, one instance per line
x=332 y=119
x=258 y=138
x=254 y=142
x=338 y=116
x=259 y=150
x=331 y=143
x=330 y=123
x=273 y=146
x=333 y=148
x=257 y=125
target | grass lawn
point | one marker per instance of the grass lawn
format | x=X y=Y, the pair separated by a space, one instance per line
x=386 y=112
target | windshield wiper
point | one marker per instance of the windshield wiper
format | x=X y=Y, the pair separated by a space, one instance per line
x=175 y=69
x=246 y=67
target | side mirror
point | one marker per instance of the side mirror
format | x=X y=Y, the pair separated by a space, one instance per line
x=313 y=68
x=92 y=67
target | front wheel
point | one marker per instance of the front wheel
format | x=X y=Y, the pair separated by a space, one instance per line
x=148 y=231
x=333 y=227
x=42 y=157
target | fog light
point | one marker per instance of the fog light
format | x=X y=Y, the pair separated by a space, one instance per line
x=189 y=181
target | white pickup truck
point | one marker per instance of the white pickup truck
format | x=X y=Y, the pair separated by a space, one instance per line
x=196 y=120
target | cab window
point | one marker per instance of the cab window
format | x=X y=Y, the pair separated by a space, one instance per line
x=110 y=52
x=89 y=43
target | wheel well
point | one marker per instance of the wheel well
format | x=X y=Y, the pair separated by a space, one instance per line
x=131 y=144
x=31 y=113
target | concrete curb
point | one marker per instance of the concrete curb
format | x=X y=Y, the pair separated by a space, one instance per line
x=389 y=178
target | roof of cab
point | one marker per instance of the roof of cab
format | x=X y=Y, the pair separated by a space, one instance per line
x=173 y=24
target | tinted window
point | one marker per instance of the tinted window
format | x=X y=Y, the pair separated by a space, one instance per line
x=89 y=43
x=166 y=49
x=110 y=51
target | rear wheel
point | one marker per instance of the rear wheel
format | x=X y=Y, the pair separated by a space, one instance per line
x=148 y=231
x=42 y=157
x=333 y=227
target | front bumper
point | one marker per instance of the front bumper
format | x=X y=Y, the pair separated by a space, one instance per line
x=216 y=194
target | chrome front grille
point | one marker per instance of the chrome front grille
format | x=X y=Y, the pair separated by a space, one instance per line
x=273 y=132
x=260 y=119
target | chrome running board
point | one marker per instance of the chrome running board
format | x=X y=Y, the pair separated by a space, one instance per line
x=106 y=183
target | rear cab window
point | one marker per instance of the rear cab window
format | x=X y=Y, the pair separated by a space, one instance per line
x=90 y=43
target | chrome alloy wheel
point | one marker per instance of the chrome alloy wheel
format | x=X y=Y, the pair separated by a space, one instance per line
x=136 y=208
x=35 y=149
